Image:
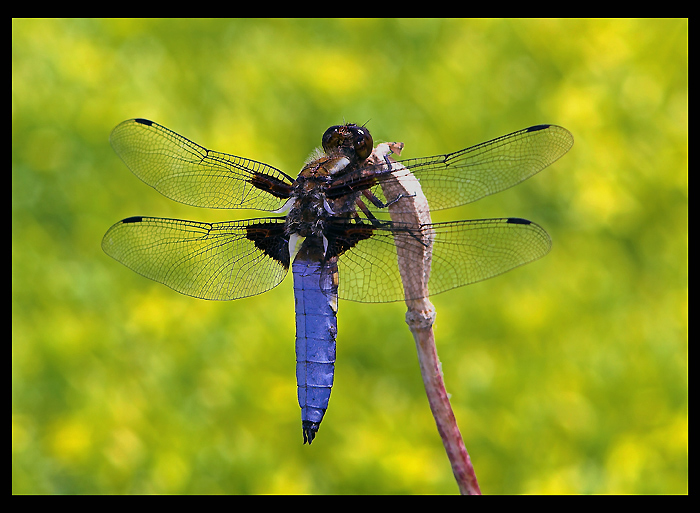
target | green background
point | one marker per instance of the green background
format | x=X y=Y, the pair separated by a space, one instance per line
x=568 y=375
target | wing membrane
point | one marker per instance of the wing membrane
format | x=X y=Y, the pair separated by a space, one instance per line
x=463 y=252
x=223 y=261
x=470 y=174
x=189 y=173
x=204 y=260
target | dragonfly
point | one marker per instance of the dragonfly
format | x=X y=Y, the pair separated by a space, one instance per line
x=338 y=225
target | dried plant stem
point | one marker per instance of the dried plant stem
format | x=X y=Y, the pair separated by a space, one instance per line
x=415 y=273
x=420 y=320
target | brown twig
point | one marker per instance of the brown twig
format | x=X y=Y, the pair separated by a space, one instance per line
x=420 y=321
x=415 y=273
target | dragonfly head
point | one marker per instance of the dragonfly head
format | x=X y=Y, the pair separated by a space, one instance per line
x=354 y=142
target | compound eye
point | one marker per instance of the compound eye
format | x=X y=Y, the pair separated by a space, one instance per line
x=362 y=142
x=332 y=138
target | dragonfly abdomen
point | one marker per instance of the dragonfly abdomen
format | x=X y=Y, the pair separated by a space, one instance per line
x=316 y=300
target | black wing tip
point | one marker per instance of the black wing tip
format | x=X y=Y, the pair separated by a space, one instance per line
x=538 y=127
x=134 y=219
x=518 y=220
x=309 y=430
x=143 y=121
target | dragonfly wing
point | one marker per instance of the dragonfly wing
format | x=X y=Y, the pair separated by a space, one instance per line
x=463 y=252
x=470 y=174
x=227 y=260
x=189 y=173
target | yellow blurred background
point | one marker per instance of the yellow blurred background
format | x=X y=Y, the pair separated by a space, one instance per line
x=568 y=375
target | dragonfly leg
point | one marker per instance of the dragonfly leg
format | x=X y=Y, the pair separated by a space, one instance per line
x=370 y=216
x=378 y=203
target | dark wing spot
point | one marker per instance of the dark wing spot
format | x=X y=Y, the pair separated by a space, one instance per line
x=135 y=219
x=271 y=240
x=517 y=220
x=537 y=127
x=274 y=186
x=344 y=237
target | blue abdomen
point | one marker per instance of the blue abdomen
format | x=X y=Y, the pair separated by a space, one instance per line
x=316 y=300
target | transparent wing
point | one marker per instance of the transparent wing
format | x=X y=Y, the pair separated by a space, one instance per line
x=189 y=173
x=467 y=175
x=463 y=252
x=227 y=260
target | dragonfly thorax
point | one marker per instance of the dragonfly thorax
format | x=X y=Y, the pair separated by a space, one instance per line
x=310 y=209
